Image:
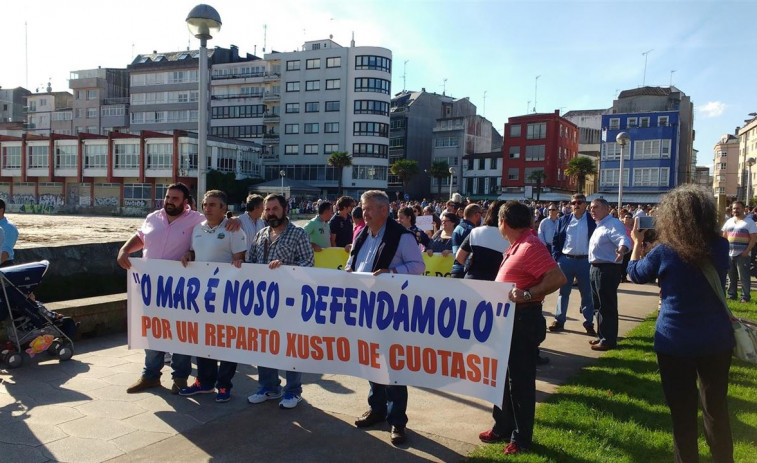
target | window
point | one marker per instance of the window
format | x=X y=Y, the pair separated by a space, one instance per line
x=65 y=156
x=370 y=129
x=644 y=122
x=38 y=156
x=159 y=155
x=330 y=148
x=609 y=177
x=481 y=164
x=106 y=111
x=374 y=63
x=397 y=142
x=333 y=84
x=293 y=86
x=334 y=62
x=536 y=131
x=314 y=63
x=127 y=155
x=614 y=123
x=311 y=149
x=291 y=128
x=398 y=123
x=137 y=191
x=632 y=122
x=238 y=131
x=665 y=148
x=96 y=156
x=513 y=173
x=370 y=84
x=651 y=176
x=312 y=85
x=293 y=65
x=188 y=153
x=291 y=149
x=535 y=152
x=611 y=152
x=371 y=107
x=444 y=142
x=331 y=127
x=646 y=149
x=369 y=150
x=237 y=112
x=11 y=157
x=91 y=113
x=663 y=121
x=514 y=152
x=492 y=163
x=722 y=166
x=91 y=94
x=311 y=107
x=515 y=131
x=292 y=108
x=332 y=106
x=311 y=127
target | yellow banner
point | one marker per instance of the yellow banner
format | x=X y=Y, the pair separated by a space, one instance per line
x=335 y=258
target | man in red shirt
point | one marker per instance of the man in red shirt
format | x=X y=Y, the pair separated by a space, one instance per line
x=529 y=265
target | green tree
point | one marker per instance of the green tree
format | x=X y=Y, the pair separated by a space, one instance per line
x=404 y=169
x=340 y=160
x=537 y=176
x=439 y=170
x=580 y=167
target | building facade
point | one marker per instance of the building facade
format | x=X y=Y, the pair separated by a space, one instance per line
x=49 y=112
x=543 y=142
x=118 y=172
x=482 y=174
x=13 y=104
x=589 y=122
x=747 y=159
x=726 y=166
x=100 y=100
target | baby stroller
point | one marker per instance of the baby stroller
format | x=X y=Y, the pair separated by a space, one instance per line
x=30 y=326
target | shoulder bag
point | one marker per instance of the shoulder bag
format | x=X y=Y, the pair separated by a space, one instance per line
x=743 y=330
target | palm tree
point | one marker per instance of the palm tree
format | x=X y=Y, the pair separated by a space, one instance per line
x=580 y=167
x=340 y=160
x=404 y=169
x=537 y=176
x=439 y=170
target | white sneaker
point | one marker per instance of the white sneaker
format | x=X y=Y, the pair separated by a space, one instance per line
x=264 y=394
x=290 y=400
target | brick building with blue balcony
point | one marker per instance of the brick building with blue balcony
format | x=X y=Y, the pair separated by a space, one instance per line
x=659 y=156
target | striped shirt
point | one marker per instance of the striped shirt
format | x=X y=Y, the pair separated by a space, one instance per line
x=738 y=232
x=525 y=263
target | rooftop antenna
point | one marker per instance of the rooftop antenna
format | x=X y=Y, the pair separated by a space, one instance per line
x=484 y=103
x=352 y=42
x=404 y=75
x=265 y=36
x=646 y=54
x=444 y=86
x=536 y=87
x=671 y=76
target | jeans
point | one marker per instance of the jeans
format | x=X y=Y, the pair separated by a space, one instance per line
x=605 y=279
x=579 y=269
x=390 y=401
x=269 y=379
x=679 y=383
x=739 y=270
x=209 y=372
x=180 y=364
x=515 y=420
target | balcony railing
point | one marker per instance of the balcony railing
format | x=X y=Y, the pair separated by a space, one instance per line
x=270 y=96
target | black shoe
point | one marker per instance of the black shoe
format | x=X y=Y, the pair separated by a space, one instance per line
x=590 y=330
x=369 y=418
x=398 y=435
x=556 y=326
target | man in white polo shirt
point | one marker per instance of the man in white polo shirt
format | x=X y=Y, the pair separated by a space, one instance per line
x=211 y=242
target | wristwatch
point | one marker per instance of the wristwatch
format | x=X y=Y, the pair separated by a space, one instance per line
x=527 y=295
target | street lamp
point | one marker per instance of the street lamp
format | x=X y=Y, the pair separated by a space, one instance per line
x=749 y=191
x=203 y=21
x=623 y=139
x=451 y=174
x=283 y=174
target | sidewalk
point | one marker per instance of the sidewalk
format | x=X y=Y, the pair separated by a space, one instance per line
x=78 y=411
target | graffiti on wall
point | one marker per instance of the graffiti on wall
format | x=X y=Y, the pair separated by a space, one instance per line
x=50 y=200
x=106 y=201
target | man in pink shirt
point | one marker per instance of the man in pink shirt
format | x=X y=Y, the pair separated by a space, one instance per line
x=165 y=234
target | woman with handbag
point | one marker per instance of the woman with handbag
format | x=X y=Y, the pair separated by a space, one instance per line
x=693 y=337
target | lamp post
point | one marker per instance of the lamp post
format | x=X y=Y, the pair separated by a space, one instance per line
x=623 y=139
x=203 y=21
x=283 y=174
x=451 y=174
x=749 y=190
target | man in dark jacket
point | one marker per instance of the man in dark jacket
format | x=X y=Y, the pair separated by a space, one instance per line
x=384 y=246
x=570 y=248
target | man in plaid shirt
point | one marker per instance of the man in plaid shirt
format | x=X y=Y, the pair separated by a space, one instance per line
x=280 y=243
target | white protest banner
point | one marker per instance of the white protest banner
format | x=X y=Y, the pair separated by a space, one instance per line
x=424 y=222
x=391 y=329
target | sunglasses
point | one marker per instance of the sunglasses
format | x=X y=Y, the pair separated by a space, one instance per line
x=577 y=203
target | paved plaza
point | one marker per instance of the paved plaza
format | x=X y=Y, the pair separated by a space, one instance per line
x=78 y=411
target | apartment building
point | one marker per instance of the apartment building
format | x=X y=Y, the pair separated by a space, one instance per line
x=100 y=100
x=49 y=112
x=13 y=104
x=482 y=175
x=725 y=178
x=747 y=159
x=589 y=122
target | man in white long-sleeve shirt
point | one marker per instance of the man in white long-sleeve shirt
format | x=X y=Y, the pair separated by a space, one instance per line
x=548 y=226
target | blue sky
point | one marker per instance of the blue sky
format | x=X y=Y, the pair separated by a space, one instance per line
x=584 y=52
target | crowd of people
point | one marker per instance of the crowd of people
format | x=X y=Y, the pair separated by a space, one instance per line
x=540 y=247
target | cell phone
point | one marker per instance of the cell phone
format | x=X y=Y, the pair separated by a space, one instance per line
x=646 y=223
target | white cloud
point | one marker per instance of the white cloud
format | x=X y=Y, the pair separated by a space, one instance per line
x=711 y=109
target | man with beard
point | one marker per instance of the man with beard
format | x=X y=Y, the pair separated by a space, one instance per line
x=165 y=234
x=280 y=243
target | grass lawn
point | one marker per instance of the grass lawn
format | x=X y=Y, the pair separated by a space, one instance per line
x=614 y=411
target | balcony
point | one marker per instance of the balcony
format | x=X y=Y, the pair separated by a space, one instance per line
x=271 y=138
x=271 y=77
x=231 y=96
x=270 y=97
x=271 y=118
x=112 y=101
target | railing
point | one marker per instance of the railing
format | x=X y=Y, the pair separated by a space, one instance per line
x=236 y=95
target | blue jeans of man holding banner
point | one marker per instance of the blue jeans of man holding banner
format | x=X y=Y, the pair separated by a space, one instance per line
x=389 y=401
x=154 y=360
x=269 y=379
